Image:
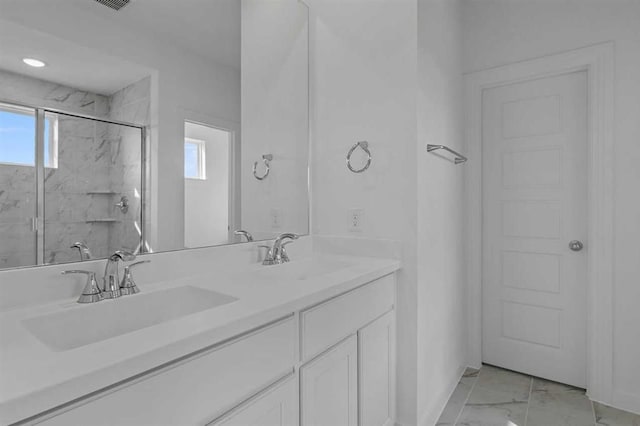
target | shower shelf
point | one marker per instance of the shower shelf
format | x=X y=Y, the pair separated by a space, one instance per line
x=102 y=220
x=101 y=192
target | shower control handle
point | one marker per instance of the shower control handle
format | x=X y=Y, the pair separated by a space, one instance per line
x=576 y=245
x=123 y=205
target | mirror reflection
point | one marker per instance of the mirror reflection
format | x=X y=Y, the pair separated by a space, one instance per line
x=150 y=127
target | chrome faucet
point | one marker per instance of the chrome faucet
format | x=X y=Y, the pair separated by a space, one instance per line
x=112 y=287
x=277 y=254
x=85 y=253
x=111 y=281
x=245 y=234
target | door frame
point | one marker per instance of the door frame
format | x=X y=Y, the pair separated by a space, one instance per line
x=233 y=128
x=598 y=62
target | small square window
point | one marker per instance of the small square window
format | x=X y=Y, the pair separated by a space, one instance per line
x=18 y=137
x=194 y=159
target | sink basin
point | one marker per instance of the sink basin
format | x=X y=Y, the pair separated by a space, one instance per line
x=83 y=325
x=302 y=269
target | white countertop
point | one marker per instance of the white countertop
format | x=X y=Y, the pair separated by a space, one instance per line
x=34 y=378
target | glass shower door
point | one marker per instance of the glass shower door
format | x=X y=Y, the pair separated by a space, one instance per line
x=18 y=198
x=92 y=188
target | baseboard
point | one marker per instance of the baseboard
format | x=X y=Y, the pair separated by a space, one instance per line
x=434 y=410
x=626 y=401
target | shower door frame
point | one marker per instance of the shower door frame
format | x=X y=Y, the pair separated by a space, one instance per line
x=38 y=222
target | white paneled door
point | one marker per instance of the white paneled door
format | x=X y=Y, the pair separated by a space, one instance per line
x=534 y=137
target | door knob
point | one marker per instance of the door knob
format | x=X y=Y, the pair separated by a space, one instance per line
x=576 y=245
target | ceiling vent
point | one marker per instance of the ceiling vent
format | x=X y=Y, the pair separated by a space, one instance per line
x=114 y=4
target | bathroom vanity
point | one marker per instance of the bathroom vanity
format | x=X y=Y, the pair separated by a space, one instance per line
x=214 y=336
x=310 y=342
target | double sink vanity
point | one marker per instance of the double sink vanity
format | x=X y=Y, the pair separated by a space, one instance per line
x=306 y=342
x=181 y=156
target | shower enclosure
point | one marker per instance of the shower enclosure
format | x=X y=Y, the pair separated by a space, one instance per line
x=67 y=178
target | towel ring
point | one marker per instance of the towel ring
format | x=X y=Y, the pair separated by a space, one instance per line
x=364 y=145
x=265 y=159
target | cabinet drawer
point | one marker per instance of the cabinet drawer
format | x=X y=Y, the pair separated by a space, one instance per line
x=325 y=324
x=198 y=389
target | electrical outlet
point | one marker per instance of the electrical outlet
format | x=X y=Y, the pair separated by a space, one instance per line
x=355 y=220
x=276 y=218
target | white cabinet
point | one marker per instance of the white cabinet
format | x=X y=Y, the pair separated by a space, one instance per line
x=354 y=381
x=343 y=350
x=276 y=406
x=329 y=387
x=196 y=390
x=376 y=372
x=327 y=323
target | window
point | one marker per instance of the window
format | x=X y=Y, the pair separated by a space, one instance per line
x=51 y=141
x=18 y=137
x=194 y=159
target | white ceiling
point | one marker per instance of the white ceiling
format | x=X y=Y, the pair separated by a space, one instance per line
x=67 y=63
x=208 y=28
x=211 y=28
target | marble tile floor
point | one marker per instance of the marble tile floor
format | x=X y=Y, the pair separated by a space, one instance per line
x=493 y=396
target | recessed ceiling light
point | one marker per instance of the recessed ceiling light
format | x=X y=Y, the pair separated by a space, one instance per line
x=34 y=62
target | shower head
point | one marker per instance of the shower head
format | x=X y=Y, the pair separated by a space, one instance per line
x=114 y=4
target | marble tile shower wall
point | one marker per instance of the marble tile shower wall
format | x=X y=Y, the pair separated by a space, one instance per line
x=75 y=209
x=32 y=91
x=17 y=207
x=97 y=164
x=131 y=104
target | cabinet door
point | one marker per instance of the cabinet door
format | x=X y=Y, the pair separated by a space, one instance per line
x=329 y=387
x=376 y=369
x=277 y=406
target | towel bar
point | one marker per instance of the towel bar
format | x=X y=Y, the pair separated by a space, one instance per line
x=459 y=158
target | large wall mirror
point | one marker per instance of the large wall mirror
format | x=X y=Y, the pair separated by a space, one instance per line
x=150 y=125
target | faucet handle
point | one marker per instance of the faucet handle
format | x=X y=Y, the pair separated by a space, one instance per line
x=91 y=292
x=268 y=259
x=128 y=286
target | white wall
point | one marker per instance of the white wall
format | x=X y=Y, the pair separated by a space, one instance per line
x=441 y=282
x=206 y=202
x=363 y=73
x=275 y=116
x=389 y=73
x=498 y=32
